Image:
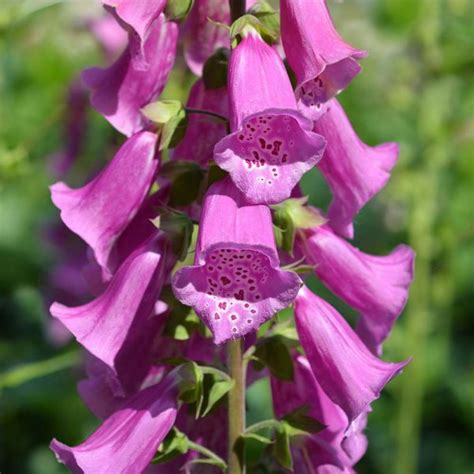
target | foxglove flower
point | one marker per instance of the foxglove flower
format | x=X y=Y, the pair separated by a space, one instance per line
x=111 y=37
x=117 y=327
x=235 y=284
x=348 y=372
x=323 y=63
x=99 y=211
x=375 y=286
x=121 y=91
x=203 y=131
x=354 y=171
x=325 y=449
x=137 y=18
x=129 y=438
x=272 y=144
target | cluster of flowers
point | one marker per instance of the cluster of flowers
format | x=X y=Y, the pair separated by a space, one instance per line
x=236 y=283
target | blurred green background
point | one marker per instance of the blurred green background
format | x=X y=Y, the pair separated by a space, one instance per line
x=416 y=88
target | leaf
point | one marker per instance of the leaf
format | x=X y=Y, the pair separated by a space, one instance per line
x=301 y=423
x=214 y=73
x=246 y=23
x=268 y=16
x=178 y=9
x=211 y=461
x=214 y=391
x=274 y=353
x=282 y=448
x=190 y=387
x=257 y=437
x=179 y=228
x=175 y=444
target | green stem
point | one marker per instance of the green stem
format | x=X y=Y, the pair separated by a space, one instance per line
x=27 y=372
x=236 y=409
x=206 y=452
x=262 y=425
x=237 y=9
x=190 y=110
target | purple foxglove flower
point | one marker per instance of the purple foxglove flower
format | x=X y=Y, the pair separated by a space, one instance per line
x=375 y=286
x=272 y=144
x=74 y=131
x=117 y=327
x=348 y=372
x=203 y=131
x=99 y=211
x=235 y=284
x=110 y=35
x=323 y=63
x=354 y=171
x=115 y=93
x=137 y=18
x=129 y=438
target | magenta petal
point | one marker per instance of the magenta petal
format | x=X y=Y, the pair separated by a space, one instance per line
x=348 y=372
x=109 y=34
x=99 y=211
x=354 y=171
x=117 y=327
x=267 y=157
x=375 y=286
x=114 y=90
x=203 y=131
x=126 y=441
x=235 y=284
x=323 y=63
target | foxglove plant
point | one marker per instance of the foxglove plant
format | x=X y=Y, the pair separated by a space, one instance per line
x=198 y=239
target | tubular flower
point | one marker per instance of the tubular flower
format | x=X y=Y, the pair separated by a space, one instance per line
x=128 y=439
x=323 y=63
x=203 y=131
x=115 y=93
x=117 y=327
x=137 y=18
x=235 y=284
x=348 y=372
x=272 y=144
x=99 y=211
x=323 y=450
x=354 y=171
x=377 y=287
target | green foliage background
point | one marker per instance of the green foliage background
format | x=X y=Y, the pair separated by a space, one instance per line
x=416 y=88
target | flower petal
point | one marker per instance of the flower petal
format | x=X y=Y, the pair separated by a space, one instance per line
x=375 y=286
x=235 y=284
x=354 y=171
x=99 y=211
x=348 y=372
x=114 y=90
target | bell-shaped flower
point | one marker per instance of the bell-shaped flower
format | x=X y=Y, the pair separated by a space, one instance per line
x=137 y=18
x=235 y=284
x=117 y=327
x=376 y=286
x=99 y=211
x=203 y=131
x=323 y=63
x=348 y=372
x=354 y=171
x=272 y=144
x=128 y=439
x=120 y=91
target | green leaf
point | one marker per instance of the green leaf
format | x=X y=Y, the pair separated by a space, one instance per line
x=245 y=25
x=178 y=9
x=179 y=228
x=214 y=73
x=190 y=387
x=256 y=437
x=175 y=444
x=281 y=448
x=187 y=181
x=214 y=390
x=274 y=353
x=286 y=230
x=301 y=423
x=268 y=16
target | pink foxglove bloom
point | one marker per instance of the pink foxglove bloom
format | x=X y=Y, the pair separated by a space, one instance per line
x=126 y=441
x=203 y=131
x=348 y=372
x=137 y=17
x=325 y=449
x=235 y=284
x=354 y=171
x=115 y=93
x=117 y=326
x=272 y=144
x=109 y=34
x=99 y=211
x=375 y=286
x=323 y=63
